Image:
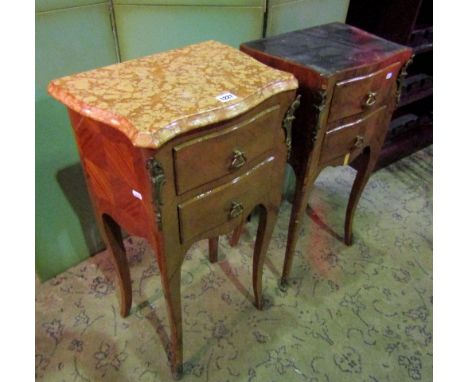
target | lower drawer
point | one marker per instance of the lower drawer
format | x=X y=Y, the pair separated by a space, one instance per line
x=227 y=203
x=354 y=136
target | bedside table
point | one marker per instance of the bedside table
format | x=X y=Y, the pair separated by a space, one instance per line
x=348 y=81
x=174 y=148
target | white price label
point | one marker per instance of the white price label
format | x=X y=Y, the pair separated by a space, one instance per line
x=137 y=195
x=225 y=97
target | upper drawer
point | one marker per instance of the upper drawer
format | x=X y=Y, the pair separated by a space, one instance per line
x=227 y=204
x=356 y=95
x=212 y=156
x=352 y=137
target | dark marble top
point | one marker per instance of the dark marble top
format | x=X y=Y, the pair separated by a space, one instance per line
x=328 y=48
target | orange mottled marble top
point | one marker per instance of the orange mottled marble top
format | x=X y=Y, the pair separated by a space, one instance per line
x=153 y=99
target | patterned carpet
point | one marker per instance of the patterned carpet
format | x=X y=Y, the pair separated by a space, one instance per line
x=360 y=313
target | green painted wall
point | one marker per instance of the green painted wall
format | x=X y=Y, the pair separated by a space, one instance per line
x=76 y=35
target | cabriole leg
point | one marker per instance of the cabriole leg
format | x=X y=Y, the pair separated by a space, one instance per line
x=266 y=224
x=304 y=185
x=213 y=249
x=113 y=238
x=366 y=167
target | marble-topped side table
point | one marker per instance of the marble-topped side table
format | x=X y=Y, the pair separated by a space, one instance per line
x=177 y=147
x=348 y=84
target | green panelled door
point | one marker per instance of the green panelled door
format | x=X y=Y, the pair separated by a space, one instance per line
x=288 y=15
x=148 y=26
x=68 y=40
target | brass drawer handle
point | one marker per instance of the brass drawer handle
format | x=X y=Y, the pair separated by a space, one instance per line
x=236 y=210
x=238 y=159
x=371 y=99
x=359 y=141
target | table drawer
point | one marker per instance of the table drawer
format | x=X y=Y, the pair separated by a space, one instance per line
x=226 y=203
x=212 y=156
x=356 y=95
x=352 y=137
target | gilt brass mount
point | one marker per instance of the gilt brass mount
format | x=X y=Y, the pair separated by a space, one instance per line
x=236 y=210
x=371 y=99
x=238 y=159
x=287 y=122
x=158 y=179
x=359 y=141
x=319 y=100
x=401 y=79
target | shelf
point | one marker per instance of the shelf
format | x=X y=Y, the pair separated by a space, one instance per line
x=405 y=124
x=407 y=134
x=415 y=88
x=415 y=97
x=401 y=124
x=423 y=48
x=421 y=40
x=404 y=145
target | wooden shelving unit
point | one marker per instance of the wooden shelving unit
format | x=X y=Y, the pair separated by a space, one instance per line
x=408 y=22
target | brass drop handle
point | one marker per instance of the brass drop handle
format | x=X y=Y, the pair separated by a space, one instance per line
x=371 y=99
x=236 y=210
x=238 y=159
x=359 y=141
